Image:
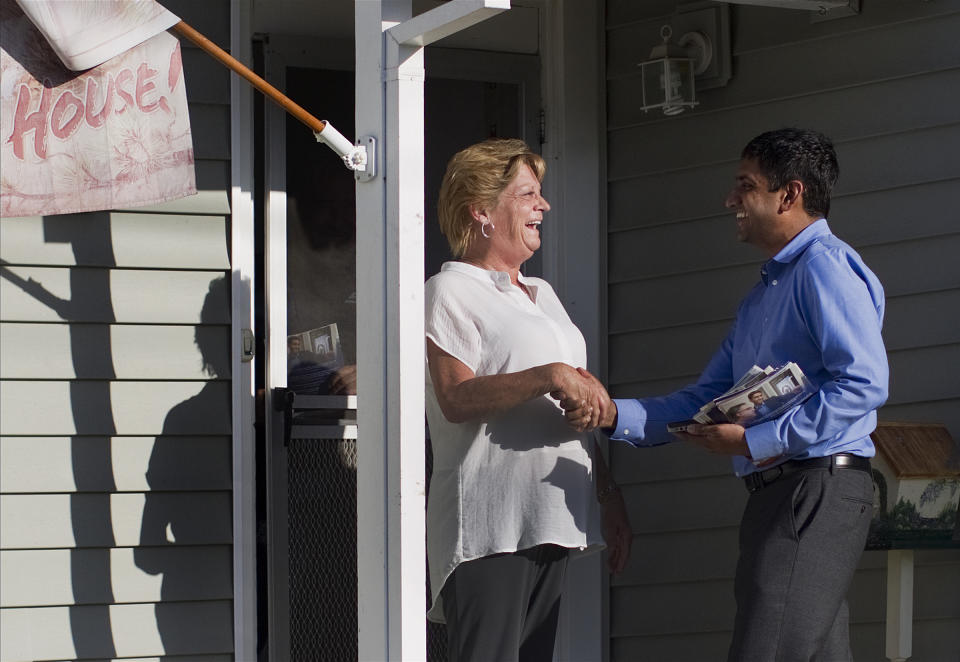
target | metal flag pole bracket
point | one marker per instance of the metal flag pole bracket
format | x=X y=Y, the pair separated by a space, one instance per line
x=361 y=158
x=356 y=158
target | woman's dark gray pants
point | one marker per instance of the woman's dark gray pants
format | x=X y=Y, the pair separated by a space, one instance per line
x=505 y=607
x=801 y=538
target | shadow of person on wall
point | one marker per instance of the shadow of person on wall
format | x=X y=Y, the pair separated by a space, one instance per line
x=185 y=534
x=88 y=313
x=89 y=236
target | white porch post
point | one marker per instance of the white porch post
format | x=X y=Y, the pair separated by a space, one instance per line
x=372 y=330
x=899 y=636
x=391 y=502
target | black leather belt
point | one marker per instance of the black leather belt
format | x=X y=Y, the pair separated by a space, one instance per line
x=760 y=479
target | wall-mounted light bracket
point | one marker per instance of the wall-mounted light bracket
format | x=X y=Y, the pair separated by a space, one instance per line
x=667 y=76
x=712 y=20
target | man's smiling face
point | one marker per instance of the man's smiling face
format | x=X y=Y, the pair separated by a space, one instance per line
x=756 y=207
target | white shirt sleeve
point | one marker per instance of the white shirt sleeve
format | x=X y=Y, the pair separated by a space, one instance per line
x=450 y=324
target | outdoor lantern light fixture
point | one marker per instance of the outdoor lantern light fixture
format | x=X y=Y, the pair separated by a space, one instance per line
x=667 y=78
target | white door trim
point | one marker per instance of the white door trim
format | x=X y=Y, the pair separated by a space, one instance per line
x=243 y=398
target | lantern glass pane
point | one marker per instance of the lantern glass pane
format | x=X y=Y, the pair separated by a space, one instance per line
x=652 y=74
x=678 y=85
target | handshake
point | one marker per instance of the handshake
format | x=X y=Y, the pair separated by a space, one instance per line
x=584 y=400
x=586 y=406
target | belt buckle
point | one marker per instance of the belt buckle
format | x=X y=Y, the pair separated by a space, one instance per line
x=763 y=474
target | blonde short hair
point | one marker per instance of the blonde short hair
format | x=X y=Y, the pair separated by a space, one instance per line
x=475 y=177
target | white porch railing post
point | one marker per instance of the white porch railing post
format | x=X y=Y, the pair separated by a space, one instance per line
x=899 y=635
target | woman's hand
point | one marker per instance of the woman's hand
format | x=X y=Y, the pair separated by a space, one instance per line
x=585 y=401
x=615 y=525
x=616 y=531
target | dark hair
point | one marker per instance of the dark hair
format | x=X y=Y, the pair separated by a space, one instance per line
x=790 y=154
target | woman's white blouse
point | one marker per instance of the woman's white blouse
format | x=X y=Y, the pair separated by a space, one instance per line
x=519 y=479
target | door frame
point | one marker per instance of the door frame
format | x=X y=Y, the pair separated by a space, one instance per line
x=280 y=53
x=243 y=398
x=572 y=83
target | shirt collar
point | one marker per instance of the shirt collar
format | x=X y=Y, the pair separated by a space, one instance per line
x=794 y=248
x=500 y=279
x=804 y=238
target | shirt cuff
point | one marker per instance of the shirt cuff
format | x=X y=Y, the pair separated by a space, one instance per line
x=631 y=420
x=763 y=441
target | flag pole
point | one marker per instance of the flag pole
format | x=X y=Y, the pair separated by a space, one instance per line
x=266 y=88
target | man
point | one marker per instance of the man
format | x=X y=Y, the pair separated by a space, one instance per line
x=807 y=471
x=742 y=414
x=757 y=398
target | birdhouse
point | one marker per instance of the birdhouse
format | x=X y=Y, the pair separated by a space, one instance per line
x=916 y=478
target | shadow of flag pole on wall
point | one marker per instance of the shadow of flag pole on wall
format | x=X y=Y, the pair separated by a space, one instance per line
x=94 y=116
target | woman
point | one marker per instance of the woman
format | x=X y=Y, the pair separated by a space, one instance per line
x=514 y=488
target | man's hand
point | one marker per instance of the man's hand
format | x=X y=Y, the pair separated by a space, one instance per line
x=344 y=381
x=722 y=438
x=582 y=397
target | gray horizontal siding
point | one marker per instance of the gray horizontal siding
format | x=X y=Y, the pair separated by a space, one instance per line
x=877 y=163
x=161 y=351
x=664 y=463
x=679 y=556
x=44 y=577
x=215 y=201
x=43 y=633
x=863 y=219
x=92 y=407
x=115 y=412
x=676 y=274
x=122 y=464
x=82 y=294
x=63 y=521
x=213 y=21
x=182 y=241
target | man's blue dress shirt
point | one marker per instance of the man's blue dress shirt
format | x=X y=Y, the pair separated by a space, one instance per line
x=818 y=305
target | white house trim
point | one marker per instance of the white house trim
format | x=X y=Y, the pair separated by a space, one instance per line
x=391 y=499
x=243 y=409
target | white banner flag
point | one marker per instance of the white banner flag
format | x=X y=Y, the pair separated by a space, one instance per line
x=117 y=135
x=85 y=33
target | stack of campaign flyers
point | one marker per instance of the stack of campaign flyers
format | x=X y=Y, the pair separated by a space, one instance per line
x=760 y=395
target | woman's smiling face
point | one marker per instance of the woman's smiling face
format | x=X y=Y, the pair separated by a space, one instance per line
x=516 y=219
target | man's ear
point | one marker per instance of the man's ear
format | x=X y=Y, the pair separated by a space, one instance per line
x=792 y=195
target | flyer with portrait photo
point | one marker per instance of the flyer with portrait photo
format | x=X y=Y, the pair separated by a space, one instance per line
x=761 y=395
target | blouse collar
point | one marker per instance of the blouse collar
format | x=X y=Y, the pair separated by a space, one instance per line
x=500 y=279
